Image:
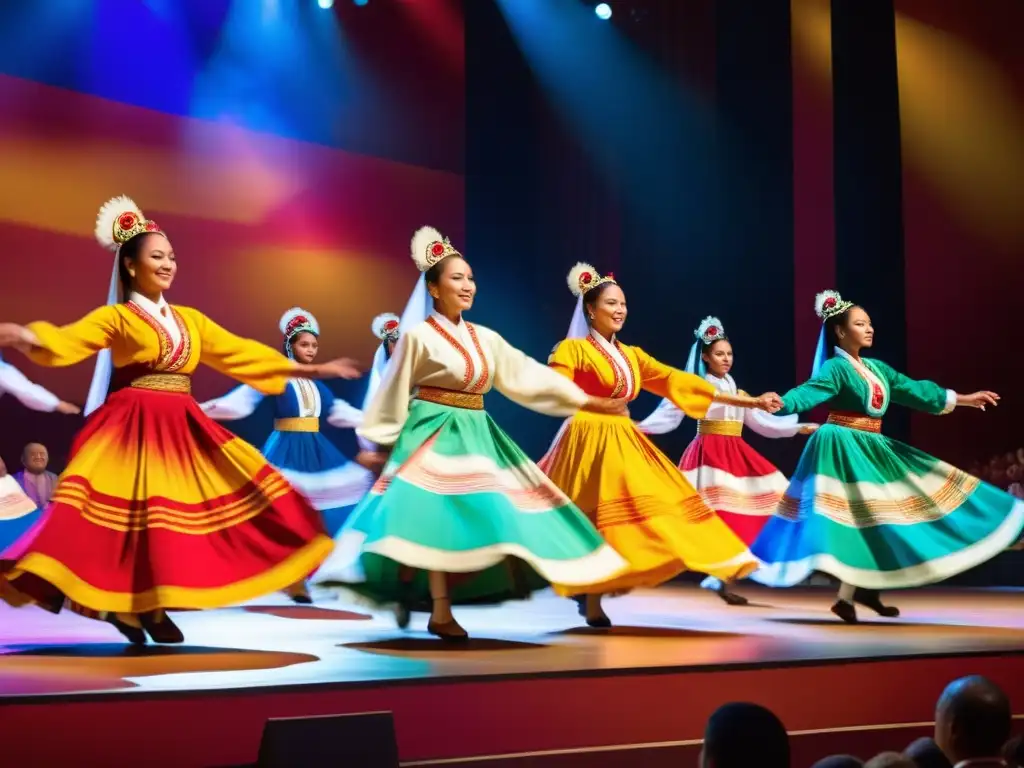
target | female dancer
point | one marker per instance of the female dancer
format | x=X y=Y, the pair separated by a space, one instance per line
x=160 y=507
x=872 y=511
x=735 y=480
x=387 y=328
x=307 y=459
x=456 y=495
x=638 y=499
x=17 y=511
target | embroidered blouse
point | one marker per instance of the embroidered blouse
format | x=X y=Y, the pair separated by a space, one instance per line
x=866 y=387
x=138 y=340
x=463 y=357
x=666 y=417
x=605 y=368
x=302 y=398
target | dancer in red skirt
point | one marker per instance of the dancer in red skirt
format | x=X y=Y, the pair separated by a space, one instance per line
x=160 y=507
x=736 y=481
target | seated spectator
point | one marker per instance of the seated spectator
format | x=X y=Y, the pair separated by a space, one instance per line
x=1013 y=752
x=926 y=754
x=972 y=722
x=1015 y=475
x=890 y=760
x=36 y=480
x=741 y=735
x=839 y=761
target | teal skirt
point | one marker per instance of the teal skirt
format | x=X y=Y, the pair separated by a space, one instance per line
x=459 y=497
x=880 y=514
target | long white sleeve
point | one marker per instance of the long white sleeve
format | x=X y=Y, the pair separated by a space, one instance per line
x=770 y=425
x=344 y=416
x=663 y=419
x=236 y=404
x=386 y=415
x=532 y=385
x=31 y=395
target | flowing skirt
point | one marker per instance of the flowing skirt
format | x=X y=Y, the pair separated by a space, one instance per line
x=642 y=504
x=741 y=485
x=458 y=496
x=880 y=514
x=18 y=513
x=320 y=472
x=162 y=508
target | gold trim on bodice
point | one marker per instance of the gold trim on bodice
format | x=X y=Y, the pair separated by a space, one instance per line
x=306 y=391
x=624 y=379
x=466 y=357
x=171 y=358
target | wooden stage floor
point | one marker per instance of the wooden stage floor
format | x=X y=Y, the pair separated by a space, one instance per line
x=274 y=643
x=532 y=678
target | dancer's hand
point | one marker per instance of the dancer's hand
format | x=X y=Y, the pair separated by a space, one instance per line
x=978 y=400
x=342 y=368
x=770 y=402
x=17 y=336
x=612 y=406
x=372 y=460
x=809 y=429
x=68 y=409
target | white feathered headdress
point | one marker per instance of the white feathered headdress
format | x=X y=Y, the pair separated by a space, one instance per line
x=584 y=277
x=297 y=320
x=828 y=304
x=428 y=248
x=386 y=327
x=119 y=220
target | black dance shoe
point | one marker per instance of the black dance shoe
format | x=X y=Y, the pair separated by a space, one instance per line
x=134 y=635
x=872 y=598
x=845 y=611
x=164 y=631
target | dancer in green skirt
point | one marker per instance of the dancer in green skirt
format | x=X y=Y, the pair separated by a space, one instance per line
x=872 y=511
x=459 y=513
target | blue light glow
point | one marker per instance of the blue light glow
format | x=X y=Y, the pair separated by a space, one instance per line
x=325 y=4
x=603 y=11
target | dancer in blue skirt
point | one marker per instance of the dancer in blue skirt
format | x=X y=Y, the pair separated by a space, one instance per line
x=307 y=459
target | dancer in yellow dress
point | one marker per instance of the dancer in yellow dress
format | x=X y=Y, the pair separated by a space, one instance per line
x=638 y=499
x=160 y=508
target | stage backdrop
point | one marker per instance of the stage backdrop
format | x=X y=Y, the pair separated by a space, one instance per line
x=288 y=153
x=961 y=87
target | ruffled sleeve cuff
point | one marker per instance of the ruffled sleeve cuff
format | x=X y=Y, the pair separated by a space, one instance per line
x=950 y=402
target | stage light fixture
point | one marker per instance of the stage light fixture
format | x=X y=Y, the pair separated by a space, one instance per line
x=360 y=2
x=325 y=4
x=603 y=11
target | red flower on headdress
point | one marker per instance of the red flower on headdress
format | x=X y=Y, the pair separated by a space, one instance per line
x=586 y=278
x=829 y=303
x=127 y=220
x=152 y=226
x=610 y=276
x=437 y=249
x=296 y=322
x=390 y=325
x=712 y=331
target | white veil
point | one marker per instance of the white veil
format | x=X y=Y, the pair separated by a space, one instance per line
x=417 y=309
